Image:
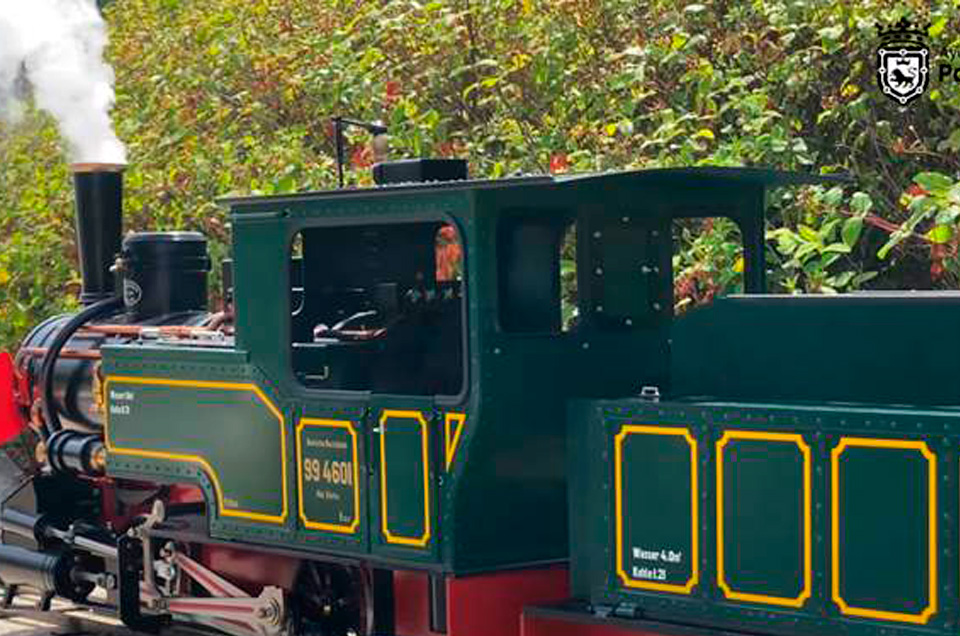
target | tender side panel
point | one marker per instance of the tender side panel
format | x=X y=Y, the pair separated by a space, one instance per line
x=763 y=517
x=884 y=531
x=657 y=508
x=229 y=431
x=789 y=520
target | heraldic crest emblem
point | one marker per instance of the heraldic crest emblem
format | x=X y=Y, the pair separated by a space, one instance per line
x=903 y=61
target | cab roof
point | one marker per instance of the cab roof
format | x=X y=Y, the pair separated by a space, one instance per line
x=692 y=177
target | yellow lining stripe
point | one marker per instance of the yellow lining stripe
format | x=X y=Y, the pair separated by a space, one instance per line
x=861 y=442
x=318 y=525
x=728 y=592
x=452 y=442
x=197 y=459
x=625 y=432
x=423 y=539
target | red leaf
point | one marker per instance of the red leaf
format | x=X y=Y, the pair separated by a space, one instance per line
x=391 y=92
x=362 y=157
x=449 y=254
x=448 y=234
x=447 y=149
x=936 y=269
x=559 y=163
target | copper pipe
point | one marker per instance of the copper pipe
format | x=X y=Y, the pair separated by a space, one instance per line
x=134 y=331
x=67 y=354
x=110 y=330
x=180 y=331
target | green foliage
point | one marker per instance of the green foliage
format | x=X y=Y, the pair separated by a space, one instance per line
x=813 y=254
x=37 y=249
x=569 y=310
x=234 y=96
x=710 y=263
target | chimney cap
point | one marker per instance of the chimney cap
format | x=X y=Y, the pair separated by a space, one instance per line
x=97 y=167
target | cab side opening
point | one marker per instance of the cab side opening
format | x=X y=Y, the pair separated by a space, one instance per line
x=380 y=308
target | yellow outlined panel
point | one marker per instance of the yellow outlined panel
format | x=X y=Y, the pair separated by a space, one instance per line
x=197 y=459
x=620 y=493
x=452 y=428
x=924 y=450
x=386 y=416
x=348 y=426
x=728 y=592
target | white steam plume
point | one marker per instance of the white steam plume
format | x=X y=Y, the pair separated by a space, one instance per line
x=54 y=50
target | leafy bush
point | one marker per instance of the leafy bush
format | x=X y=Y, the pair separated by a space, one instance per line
x=235 y=95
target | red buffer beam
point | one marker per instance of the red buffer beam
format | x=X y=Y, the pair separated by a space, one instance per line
x=12 y=422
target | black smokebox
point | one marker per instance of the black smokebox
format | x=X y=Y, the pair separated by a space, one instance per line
x=99 y=195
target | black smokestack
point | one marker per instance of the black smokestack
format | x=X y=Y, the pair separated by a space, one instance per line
x=99 y=195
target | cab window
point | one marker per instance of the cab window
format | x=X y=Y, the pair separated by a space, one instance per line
x=536 y=257
x=708 y=261
x=379 y=308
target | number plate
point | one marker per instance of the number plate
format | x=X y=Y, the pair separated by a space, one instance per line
x=328 y=475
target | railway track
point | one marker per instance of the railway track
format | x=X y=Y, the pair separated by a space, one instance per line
x=66 y=619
